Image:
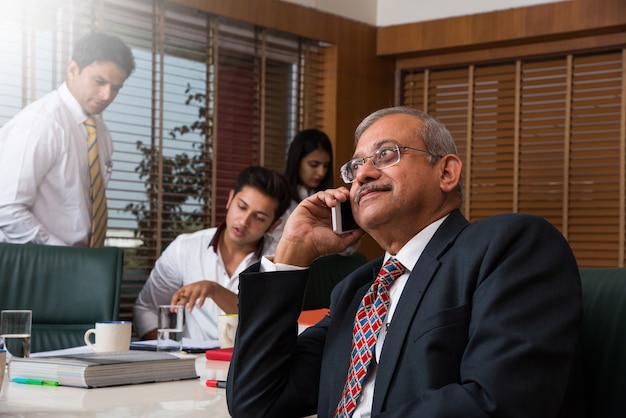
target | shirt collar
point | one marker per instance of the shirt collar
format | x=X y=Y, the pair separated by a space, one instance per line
x=412 y=250
x=303 y=193
x=72 y=104
x=216 y=240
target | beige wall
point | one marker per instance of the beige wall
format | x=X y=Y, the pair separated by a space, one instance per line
x=396 y=12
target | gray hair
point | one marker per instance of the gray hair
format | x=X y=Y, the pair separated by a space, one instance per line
x=436 y=137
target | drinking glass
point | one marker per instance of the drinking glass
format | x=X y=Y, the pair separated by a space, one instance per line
x=170 y=328
x=15 y=328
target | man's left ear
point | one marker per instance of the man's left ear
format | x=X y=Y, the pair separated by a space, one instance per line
x=72 y=70
x=274 y=225
x=231 y=194
x=451 y=168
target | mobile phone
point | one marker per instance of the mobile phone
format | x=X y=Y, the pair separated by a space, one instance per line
x=343 y=219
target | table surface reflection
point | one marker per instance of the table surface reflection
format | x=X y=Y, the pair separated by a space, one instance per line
x=186 y=398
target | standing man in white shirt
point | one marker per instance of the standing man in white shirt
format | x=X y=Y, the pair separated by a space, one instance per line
x=44 y=166
x=201 y=269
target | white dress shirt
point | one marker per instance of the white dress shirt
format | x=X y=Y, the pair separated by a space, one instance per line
x=44 y=174
x=188 y=259
x=408 y=256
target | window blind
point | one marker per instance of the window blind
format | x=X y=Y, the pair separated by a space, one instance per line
x=542 y=136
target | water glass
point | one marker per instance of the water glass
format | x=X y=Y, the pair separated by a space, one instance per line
x=170 y=328
x=15 y=326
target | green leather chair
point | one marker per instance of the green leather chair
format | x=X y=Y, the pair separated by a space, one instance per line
x=68 y=289
x=604 y=341
x=325 y=273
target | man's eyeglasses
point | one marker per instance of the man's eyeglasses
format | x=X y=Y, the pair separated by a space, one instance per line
x=381 y=158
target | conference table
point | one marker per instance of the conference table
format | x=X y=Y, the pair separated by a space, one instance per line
x=185 y=398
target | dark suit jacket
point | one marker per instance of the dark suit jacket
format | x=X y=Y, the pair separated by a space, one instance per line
x=487 y=326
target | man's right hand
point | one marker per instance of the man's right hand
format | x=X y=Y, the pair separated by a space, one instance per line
x=308 y=232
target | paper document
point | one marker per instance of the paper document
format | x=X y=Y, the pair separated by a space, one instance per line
x=189 y=345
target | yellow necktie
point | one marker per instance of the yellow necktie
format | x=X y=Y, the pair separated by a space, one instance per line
x=96 y=189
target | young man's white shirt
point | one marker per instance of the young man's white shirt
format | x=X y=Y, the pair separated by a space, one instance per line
x=188 y=259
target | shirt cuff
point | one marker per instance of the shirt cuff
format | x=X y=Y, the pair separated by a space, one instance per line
x=268 y=265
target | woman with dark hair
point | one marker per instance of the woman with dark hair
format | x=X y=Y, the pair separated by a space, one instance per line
x=308 y=161
x=308 y=171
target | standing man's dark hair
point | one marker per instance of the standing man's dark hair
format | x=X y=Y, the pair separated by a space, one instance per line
x=100 y=47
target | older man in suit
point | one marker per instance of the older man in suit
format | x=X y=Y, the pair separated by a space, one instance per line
x=469 y=320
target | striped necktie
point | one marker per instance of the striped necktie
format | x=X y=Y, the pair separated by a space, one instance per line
x=96 y=189
x=369 y=318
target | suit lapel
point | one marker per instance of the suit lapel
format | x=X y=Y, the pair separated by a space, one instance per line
x=416 y=287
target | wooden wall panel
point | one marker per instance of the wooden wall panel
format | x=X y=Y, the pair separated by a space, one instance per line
x=530 y=50
x=283 y=16
x=504 y=28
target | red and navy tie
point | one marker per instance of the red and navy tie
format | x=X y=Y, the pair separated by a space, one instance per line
x=369 y=318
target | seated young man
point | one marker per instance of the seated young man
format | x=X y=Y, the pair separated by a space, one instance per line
x=201 y=270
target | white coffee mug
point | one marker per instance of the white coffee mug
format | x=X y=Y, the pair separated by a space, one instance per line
x=226 y=329
x=110 y=336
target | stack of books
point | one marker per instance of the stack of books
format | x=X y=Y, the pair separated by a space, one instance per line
x=93 y=370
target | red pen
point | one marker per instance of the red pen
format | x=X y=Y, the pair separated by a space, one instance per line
x=216 y=384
